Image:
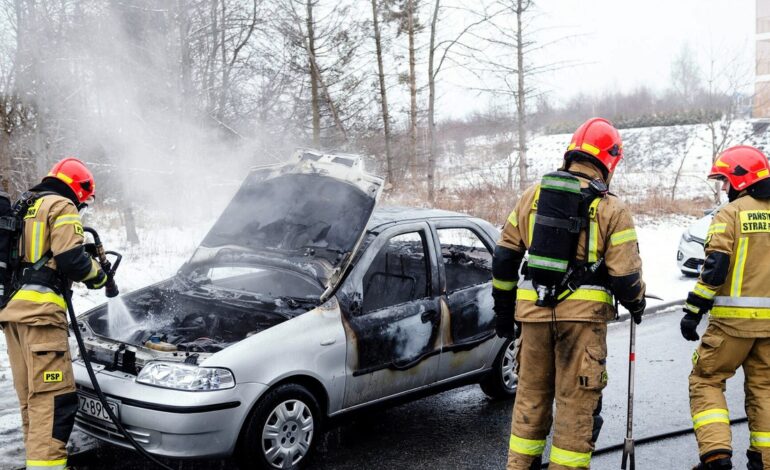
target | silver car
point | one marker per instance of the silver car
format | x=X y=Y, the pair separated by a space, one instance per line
x=302 y=303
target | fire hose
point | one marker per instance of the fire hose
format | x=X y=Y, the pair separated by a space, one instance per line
x=111 y=290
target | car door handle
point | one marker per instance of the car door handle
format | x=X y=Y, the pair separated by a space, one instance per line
x=430 y=315
x=328 y=342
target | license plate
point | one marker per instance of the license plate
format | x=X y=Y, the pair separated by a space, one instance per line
x=91 y=406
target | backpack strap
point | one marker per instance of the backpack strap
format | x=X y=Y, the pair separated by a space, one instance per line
x=593 y=230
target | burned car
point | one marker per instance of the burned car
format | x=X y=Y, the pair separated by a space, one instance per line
x=302 y=303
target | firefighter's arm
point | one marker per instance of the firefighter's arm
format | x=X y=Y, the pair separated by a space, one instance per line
x=623 y=262
x=506 y=262
x=67 y=247
x=719 y=250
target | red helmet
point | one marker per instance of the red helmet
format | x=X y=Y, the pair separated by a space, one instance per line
x=742 y=165
x=77 y=176
x=598 y=138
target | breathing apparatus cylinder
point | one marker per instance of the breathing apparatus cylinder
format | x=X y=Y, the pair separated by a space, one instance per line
x=555 y=234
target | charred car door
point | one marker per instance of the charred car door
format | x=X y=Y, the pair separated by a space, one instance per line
x=391 y=316
x=466 y=278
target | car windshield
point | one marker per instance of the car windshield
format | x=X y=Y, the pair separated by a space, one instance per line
x=312 y=216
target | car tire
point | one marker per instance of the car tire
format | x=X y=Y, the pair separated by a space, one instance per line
x=284 y=426
x=502 y=380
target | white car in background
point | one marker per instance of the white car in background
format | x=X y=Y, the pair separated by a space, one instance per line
x=691 y=255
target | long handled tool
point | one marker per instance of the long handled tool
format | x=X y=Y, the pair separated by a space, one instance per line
x=628 y=444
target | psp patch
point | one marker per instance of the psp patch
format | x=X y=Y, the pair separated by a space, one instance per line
x=50 y=376
x=78 y=229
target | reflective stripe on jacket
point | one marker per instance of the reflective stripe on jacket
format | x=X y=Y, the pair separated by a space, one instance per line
x=51 y=224
x=741 y=230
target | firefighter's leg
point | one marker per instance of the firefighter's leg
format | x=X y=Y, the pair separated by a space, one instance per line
x=18 y=361
x=534 y=398
x=581 y=375
x=757 y=371
x=716 y=360
x=52 y=401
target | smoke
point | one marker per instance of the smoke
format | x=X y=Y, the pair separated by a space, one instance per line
x=113 y=85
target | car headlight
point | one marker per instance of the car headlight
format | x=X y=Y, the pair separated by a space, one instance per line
x=185 y=377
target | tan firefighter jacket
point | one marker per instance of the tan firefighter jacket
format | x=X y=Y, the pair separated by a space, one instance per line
x=52 y=223
x=740 y=230
x=610 y=234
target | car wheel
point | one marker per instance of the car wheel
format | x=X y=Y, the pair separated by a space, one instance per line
x=282 y=429
x=502 y=380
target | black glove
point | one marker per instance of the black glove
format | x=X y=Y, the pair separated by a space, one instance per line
x=636 y=309
x=91 y=250
x=98 y=281
x=689 y=324
x=505 y=308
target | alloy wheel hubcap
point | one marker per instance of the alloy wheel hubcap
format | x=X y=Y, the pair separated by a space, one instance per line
x=510 y=379
x=287 y=434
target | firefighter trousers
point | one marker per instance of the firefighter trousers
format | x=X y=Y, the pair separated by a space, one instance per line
x=42 y=375
x=717 y=358
x=565 y=362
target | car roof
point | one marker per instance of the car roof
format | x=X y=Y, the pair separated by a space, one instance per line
x=384 y=215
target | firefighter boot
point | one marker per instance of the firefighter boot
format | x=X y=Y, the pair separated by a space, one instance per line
x=717 y=461
x=755 y=460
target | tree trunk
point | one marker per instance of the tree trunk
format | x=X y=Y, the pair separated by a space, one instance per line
x=314 y=99
x=128 y=219
x=383 y=92
x=412 y=85
x=223 y=91
x=520 y=100
x=186 y=57
x=432 y=108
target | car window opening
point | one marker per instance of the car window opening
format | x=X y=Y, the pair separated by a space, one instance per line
x=467 y=260
x=398 y=274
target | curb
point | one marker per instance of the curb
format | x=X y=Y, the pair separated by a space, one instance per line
x=655 y=309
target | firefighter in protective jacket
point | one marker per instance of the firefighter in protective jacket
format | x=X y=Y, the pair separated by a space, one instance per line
x=34 y=320
x=734 y=287
x=563 y=348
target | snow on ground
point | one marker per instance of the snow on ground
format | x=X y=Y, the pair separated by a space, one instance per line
x=162 y=251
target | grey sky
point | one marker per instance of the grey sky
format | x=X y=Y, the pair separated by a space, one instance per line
x=624 y=44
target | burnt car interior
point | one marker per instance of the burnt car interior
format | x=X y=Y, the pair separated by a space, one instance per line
x=398 y=274
x=467 y=261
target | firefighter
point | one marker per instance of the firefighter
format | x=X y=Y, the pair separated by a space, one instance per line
x=563 y=348
x=34 y=321
x=733 y=287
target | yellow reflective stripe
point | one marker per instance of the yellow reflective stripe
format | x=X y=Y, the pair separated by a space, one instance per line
x=623 y=236
x=32 y=211
x=503 y=285
x=526 y=446
x=46 y=463
x=69 y=219
x=512 y=219
x=569 y=458
x=592 y=295
x=702 y=291
x=717 y=228
x=572 y=146
x=763 y=173
x=590 y=149
x=531 y=227
x=737 y=312
x=760 y=439
x=40 y=297
x=91 y=274
x=593 y=241
x=715 y=415
x=64 y=178
x=537 y=196
x=100 y=283
x=38 y=238
x=740 y=264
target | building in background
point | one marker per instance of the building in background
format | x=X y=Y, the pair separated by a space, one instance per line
x=761 y=107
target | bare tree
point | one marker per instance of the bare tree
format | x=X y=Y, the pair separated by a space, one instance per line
x=383 y=90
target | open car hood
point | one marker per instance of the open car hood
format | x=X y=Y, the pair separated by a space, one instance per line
x=310 y=214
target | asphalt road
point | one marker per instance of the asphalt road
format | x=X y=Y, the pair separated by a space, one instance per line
x=463 y=429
